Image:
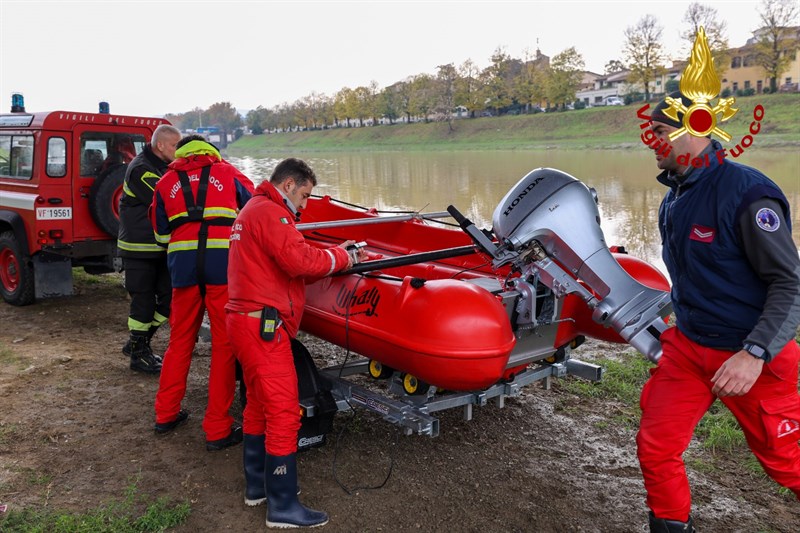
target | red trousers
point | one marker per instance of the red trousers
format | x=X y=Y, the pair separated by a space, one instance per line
x=184 y=322
x=678 y=394
x=273 y=405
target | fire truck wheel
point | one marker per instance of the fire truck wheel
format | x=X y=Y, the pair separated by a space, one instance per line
x=16 y=274
x=104 y=199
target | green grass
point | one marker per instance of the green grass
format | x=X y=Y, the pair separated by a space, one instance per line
x=7 y=433
x=9 y=358
x=38 y=478
x=622 y=383
x=79 y=275
x=135 y=514
x=719 y=430
x=595 y=128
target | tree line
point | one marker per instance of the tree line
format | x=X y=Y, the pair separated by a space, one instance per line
x=507 y=84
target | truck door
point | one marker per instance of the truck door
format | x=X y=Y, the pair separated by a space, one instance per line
x=54 y=212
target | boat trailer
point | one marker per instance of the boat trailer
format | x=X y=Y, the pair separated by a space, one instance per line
x=414 y=413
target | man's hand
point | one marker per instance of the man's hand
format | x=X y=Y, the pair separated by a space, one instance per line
x=344 y=245
x=736 y=375
x=355 y=256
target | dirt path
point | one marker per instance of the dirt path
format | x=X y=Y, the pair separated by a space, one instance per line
x=76 y=430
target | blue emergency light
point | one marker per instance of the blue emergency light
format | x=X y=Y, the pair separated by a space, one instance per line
x=17 y=103
x=104 y=108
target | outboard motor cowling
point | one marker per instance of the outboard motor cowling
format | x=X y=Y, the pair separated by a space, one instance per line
x=550 y=223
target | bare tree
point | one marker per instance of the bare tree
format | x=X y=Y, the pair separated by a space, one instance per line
x=613 y=66
x=700 y=15
x=776 y=46
x=644 y=52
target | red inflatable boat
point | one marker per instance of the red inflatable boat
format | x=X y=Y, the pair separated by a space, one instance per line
x=443 y=320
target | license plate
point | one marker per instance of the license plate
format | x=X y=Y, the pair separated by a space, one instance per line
x=53 y=213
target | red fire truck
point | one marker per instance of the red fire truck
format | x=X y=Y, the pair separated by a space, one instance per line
x=61 y=175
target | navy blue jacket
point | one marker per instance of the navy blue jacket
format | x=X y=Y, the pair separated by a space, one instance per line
x=717 y=294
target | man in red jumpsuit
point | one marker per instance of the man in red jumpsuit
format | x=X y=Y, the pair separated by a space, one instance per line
x=269 y=262
x=194 y=206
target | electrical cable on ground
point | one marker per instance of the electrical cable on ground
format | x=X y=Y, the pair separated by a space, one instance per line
x=350 y=490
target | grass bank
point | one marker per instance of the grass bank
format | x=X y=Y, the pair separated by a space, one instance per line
x=595 y=128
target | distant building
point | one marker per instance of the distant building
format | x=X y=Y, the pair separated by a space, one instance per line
x=602 y=87
x=744 y=73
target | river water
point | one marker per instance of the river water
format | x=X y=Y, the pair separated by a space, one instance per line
x=476 y=181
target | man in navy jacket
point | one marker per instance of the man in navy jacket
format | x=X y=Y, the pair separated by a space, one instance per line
x=735 y=270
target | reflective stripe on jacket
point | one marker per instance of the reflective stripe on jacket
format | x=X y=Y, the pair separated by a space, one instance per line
x=135 y=237
x=228 y=190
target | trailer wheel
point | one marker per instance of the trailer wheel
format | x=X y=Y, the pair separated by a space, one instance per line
x=104 y=197
x=379 y=371
x=413 y=386
x=16 y=274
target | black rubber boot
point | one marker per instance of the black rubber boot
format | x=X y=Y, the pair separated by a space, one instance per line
x=142 y=359
x=662 y=525
x=283 y=507
x=254 y=458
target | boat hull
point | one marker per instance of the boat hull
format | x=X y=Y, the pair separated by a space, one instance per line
x=447 y=333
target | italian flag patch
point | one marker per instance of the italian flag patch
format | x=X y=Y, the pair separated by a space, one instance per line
x=284 y=220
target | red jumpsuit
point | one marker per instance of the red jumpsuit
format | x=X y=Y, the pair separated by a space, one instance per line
x=678 y=394
x=269 y=261
x=198 y=268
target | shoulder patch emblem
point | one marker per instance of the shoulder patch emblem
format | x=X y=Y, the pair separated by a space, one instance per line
x=284 y=220
x=768 y=220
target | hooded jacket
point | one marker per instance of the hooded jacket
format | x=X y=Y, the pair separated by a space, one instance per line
x=179 y=231
x=270 y=260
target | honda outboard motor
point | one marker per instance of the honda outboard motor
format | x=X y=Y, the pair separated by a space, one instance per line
x=548 y=227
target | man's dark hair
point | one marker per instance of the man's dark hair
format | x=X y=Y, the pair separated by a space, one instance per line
x=189 y=138
x=297 y=169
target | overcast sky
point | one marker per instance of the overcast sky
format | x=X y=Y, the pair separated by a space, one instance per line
x=169 y=56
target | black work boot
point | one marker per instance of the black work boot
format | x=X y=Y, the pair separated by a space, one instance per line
x=232 y=439
x=254 y=459
x=150 y=333
x=126 y=350
x=165 y=427
x=662 y=525
x=283 y=508
x=142 y=358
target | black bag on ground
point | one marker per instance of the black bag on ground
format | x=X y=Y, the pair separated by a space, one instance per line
x=312 y=390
